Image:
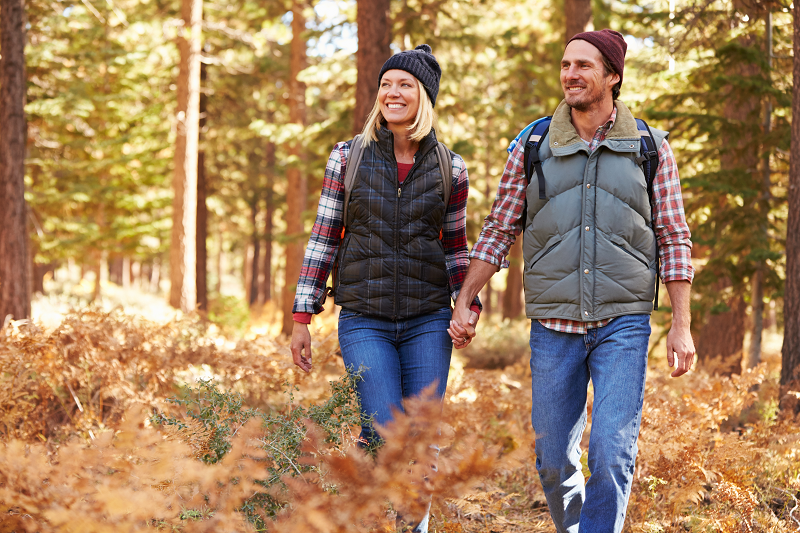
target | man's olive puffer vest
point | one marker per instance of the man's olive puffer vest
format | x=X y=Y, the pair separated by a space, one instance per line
x=391 y=263
x=589 y=249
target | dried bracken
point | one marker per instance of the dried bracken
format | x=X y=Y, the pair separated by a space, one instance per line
x=90 y=441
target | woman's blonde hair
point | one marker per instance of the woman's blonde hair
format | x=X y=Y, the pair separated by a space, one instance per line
x=425 y=121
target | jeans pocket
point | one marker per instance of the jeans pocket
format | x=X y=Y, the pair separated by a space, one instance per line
x=346 y=314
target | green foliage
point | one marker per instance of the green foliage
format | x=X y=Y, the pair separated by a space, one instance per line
x=229 y=312
x=210 y=417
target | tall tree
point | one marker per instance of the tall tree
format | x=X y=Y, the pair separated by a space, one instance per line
x=297 y=185
x=14 y=257
x=578 y=15
x=791 y=297
x=202 y=208
x=374 y=38
x=182 y=255
x=265 y=291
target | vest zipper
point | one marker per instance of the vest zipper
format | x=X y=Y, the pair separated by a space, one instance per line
x=417 y=161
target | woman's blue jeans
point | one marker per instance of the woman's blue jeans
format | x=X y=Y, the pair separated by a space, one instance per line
x=399 y=359
x=614 y=357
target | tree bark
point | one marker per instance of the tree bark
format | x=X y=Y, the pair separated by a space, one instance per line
x=791 y=298
x=265 y=292
x=201 y=273
x=757 y=282
x=578 y=15
x=754 y=352
x=182 y=264
x=252 y=292
x=374 y=38
x=722 y=338
x=15 y=293
x=512 y=298
x=297 y=186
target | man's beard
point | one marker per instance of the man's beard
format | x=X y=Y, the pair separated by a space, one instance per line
x=584 y=105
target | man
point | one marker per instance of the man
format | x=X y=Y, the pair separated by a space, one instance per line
x=590 y=270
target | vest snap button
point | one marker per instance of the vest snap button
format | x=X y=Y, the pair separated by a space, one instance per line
x=586 y=313
x=588 y=185
x=585 y=270
x=631 y=146
x=587 y=228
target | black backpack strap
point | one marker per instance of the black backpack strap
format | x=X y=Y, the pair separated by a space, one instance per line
x=535 y=136
x=648 y=160
x=531 y=162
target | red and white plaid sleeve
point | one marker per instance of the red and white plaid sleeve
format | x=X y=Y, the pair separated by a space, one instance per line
x=672 y=232
x=503 y=224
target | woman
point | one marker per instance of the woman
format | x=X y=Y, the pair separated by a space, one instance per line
x=403 y=253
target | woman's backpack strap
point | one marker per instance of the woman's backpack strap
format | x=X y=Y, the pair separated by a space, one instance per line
x=350 y=172
x=446 y=170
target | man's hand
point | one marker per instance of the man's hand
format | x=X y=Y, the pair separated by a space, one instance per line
x=462 y=327
x=680 y=346
x=301 y=346
x=680 y=350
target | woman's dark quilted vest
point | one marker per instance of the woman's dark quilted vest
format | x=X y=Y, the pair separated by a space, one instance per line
x=391 y=263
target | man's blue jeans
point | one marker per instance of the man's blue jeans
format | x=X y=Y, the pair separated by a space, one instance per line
x=614 y=357
x=399 y=359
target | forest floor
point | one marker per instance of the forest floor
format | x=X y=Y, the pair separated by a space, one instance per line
x=130 y=417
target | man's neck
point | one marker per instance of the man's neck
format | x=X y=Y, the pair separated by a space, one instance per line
x=587 y=122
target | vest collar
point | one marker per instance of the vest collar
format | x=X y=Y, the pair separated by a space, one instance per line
x=386 y=142
x=563 y=134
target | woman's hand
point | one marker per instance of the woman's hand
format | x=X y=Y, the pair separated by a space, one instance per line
x=301 y=346
x=462 y=327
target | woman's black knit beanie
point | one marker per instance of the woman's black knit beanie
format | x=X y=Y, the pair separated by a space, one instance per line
x=421 y=63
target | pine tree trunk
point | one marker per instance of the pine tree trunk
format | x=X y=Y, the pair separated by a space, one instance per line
x=374 y=38
x=297 y=187
x=791 y=297
x=512 y=298
x=578 y=15
x=722 y=337
x=754 y=353
x=265 y=292
x=15 y=294
x=182 y=254
x=201 y=273
x=256 y=245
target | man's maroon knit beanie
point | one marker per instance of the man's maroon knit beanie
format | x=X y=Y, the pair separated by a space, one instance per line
x=610 y=43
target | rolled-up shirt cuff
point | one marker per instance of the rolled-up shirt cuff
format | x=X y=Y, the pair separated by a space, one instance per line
x=302 y=318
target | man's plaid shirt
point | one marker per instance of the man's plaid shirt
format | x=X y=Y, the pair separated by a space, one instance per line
x=326 y=235
x=674 y=239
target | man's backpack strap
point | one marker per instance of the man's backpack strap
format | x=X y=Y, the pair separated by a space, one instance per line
x=648 y=160
x=446 y=170
x=531 y=140
x=350 y=173
x=535 y=137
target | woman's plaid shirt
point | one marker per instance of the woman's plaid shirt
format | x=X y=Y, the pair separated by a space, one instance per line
x=674 y=239
x=326 y=235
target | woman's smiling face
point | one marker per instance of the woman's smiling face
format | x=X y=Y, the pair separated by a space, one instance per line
x=398 y=95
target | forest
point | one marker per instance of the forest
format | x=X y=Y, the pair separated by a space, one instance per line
x=160 y=168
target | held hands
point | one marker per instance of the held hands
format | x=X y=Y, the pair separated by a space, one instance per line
x=680 y=350
x=462 y=327
x=301 y=346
